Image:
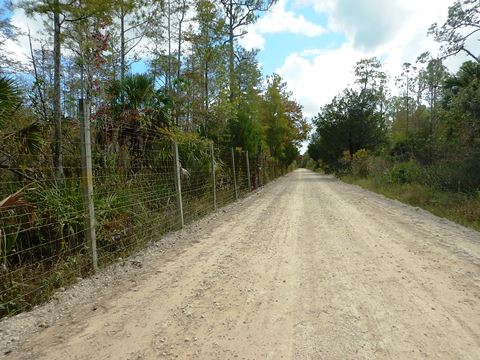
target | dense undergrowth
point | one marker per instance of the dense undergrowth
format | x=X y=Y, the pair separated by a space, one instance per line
x=435 y=188
x=44 y=234
x=458 y=207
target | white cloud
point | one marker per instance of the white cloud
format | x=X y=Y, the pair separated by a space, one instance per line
x=253 y=40
x=21 y=48
x=315 y=76
x=368 y=23
x=279 y=20
x=314 y=82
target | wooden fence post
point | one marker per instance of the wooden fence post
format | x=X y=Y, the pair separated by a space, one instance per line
x=178 y=183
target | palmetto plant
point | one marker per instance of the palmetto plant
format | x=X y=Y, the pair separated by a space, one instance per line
x=18 y=132
x=10 y=99
x=138 y=90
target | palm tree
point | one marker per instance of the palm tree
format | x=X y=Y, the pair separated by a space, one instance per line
x=141 y=112
x=138 y=91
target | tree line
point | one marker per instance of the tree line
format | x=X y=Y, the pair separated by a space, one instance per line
x=196 y=78
x=427 y=132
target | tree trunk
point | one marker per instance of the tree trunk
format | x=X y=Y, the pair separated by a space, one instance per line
x=231 y=53
x=179 y=55
x=169 y=75
x=431 y=113
x=179 y=59
x=116 y=128
x=57 y=112
x=206 y=85
x=205 y=70
x=37 y=82
x=407 y=107
x=122 y=46
x=434 y=107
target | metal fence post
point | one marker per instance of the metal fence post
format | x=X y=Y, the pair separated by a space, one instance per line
x=178 y=183
x=214 y=183
x=248 y=171
x=87 y=180
x=234 y=176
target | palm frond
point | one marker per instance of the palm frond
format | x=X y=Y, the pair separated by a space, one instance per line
x=9 y=98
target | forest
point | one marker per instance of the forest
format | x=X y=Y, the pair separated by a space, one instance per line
x=141 y=75
x=420 y=141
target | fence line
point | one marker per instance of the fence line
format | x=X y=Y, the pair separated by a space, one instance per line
x=54 y=230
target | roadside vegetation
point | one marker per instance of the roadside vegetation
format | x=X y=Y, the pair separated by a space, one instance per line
x=422 y=145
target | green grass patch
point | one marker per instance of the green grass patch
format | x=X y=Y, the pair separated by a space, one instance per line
x=458 y=207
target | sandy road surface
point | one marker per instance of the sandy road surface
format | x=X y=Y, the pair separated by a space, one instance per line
x=310 y=268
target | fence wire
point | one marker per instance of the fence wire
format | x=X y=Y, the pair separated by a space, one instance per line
x=43 y=236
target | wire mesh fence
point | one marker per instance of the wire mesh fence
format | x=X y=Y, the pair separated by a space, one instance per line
x=141 y=191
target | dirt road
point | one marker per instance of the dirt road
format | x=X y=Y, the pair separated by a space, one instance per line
x=308 y=268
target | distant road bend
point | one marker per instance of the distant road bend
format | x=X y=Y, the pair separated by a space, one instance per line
x=306 y=268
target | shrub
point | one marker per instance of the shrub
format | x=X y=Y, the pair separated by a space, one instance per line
x=406 y=173
x=311 y=164
x=357 y=165
x=360 y=163
x=292 y=166
x=379 y=168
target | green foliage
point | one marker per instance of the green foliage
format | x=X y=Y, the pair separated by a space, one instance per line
x=57 y=204
x=307 y=162
x=10 y=99
x=283 y=121
x=462 y=107
x=293 y=166
x=459 y=207
x=274 y=116
x=138 y=91
x=310 y=164
x=358 y=164
x=413 y=147
x=246 y=132
x=349 y=123
x=405 y=173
